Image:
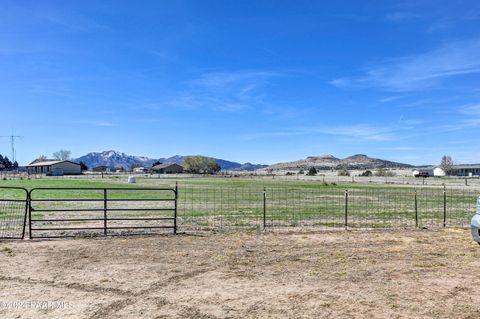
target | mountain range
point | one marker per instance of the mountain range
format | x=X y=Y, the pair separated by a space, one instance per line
x=117 y=159
x=329 y=162
x=323 y=162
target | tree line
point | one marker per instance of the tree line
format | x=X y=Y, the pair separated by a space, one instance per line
x=7 y=164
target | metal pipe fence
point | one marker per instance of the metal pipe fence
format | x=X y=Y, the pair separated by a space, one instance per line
x=74 y=212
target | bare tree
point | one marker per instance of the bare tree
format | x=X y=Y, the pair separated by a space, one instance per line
x=62 y=155
x=447 y=165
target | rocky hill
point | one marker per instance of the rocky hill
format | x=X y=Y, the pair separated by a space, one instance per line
x=117 y=159
x=329 y=162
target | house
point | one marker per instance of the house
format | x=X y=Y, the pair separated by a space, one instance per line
x=54 y=167
x=467 y=170
x=459 y=170
x=168 y=168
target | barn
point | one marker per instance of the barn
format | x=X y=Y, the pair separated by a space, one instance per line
x=54 y=168
x=168 y=168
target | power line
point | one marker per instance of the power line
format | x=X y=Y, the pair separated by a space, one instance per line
x=12 y=142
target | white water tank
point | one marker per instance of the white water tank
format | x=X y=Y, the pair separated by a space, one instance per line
x=132 y=179
x=438 y=172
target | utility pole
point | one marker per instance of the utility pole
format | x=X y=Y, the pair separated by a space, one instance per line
x=12 y=142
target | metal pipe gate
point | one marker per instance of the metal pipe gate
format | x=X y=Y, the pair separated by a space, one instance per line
x=65 y=212
x=100 y=211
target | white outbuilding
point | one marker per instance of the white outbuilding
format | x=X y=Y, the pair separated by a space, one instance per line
x=439 y=172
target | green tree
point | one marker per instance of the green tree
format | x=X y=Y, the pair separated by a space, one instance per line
x=312 y=171
x=201 y=165
x=83 y=166
x=367 y=173
x=156 y=163
x=7 y=163
x=343 y=172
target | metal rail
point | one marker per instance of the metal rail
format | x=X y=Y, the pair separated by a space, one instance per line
x=42 y=227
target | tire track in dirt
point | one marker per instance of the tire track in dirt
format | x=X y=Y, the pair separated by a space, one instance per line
x=76 y=286
x=110 y=309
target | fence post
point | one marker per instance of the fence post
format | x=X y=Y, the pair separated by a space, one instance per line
x=346 y=209
x=416 y=209
x=444 y=206
x=105 y=212
x=29 y=200
x=175 y=211
x=27 y=205
x=264 y=208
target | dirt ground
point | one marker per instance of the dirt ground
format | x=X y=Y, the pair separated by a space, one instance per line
x=401 y=274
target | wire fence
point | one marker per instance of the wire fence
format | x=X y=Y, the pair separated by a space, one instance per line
x=225 y=208
x=13 y=212
x=216 y=208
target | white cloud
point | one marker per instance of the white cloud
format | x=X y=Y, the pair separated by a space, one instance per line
x=402 y=16
x=360 y=132
x=94 y=123
x=223 y=91
x=471 y=109
x=389 y=99
x=420 y=71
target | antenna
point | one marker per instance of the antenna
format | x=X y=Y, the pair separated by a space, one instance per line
x=12 y=141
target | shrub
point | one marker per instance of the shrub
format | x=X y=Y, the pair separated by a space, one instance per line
x=343 y=172
x=367 y=174
x=384 y=172
x=312 y=171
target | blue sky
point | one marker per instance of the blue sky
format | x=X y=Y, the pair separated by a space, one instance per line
x=258 y=81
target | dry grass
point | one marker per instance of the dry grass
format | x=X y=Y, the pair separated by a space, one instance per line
x=402 y=274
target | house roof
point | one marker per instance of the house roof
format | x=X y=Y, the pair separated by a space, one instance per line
x=461 y=166
x=49 y=163
x=160 y=166
x=38 y=160
x=467 y=166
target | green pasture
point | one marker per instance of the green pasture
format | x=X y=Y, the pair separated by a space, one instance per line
x=226 y=202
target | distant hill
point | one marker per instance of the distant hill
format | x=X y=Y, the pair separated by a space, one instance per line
x=328 y=162
x=116 y=159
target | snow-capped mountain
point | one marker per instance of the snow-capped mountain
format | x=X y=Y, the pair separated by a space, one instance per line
x=114 y=159
x=117 y=159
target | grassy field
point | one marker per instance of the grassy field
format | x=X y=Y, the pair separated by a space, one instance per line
x=223 y=203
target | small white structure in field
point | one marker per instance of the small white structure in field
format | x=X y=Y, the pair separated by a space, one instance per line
x=140 y=170
x=132 y=179
x=438 y=171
